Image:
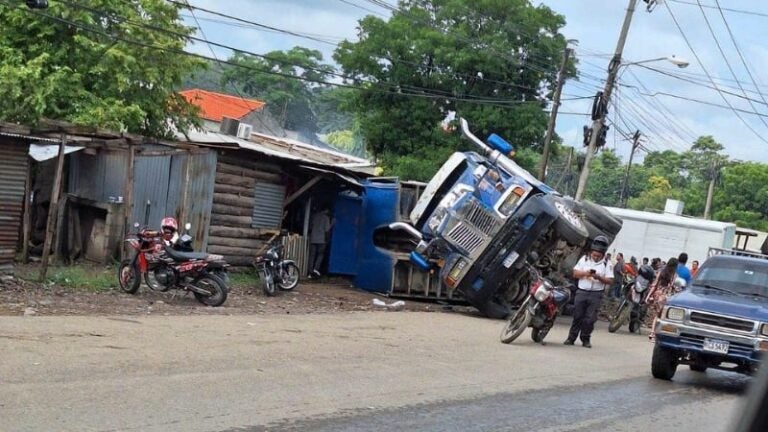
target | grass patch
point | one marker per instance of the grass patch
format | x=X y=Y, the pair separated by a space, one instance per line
x=84 y=277
x=247 y=279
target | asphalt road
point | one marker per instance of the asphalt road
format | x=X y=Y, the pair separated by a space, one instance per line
x=372 y=371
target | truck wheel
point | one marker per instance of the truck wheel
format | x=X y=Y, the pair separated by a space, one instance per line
x=698 y=368
x=664 y=363
x=569 y=226
x=493 y=310
x=601 y=218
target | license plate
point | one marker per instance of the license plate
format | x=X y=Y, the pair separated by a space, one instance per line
x=715 y=345
x=510 y=259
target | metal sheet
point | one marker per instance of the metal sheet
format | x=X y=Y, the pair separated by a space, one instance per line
x=199 y=192
x=268 y=210
x=43 y=152
x=98 y=177
x=150 y=189
x=13 y=176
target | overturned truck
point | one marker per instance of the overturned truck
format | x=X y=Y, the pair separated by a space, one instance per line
x=482 y=218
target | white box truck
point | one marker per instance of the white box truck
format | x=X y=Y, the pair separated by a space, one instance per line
x=646 y=234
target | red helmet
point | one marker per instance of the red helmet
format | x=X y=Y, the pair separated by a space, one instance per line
x=169 y=223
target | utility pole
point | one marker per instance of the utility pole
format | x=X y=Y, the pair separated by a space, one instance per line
x=625 y=184
x=711 y=191
x=601 y=108
x=553 y=115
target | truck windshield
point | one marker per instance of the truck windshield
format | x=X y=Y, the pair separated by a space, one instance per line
x=742 y=277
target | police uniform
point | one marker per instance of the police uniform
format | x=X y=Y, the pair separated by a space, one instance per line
x=589 y=297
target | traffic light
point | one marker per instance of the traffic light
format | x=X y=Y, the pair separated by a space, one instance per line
x=37 y=4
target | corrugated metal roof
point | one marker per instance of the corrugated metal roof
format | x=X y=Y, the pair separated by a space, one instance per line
x=282 y=148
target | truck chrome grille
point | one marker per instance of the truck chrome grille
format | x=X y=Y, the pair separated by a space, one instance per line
x=721 y=321
x=480 y=218
x=466 y=237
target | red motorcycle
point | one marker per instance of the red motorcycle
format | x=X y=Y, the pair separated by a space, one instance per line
x=538 y=311
x=187 y=271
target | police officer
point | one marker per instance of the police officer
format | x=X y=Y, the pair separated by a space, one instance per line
x=594 y=277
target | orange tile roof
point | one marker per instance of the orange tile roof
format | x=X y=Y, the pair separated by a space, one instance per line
x=214 y=106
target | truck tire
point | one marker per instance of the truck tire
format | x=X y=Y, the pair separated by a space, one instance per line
x=664 y=363
x=698 y=368
x=569 y=226
x=601 y=218
x=493 y=310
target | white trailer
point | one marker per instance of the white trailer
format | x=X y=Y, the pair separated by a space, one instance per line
x=651 y=235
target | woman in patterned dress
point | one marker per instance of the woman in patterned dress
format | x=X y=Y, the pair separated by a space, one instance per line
x=663 y=287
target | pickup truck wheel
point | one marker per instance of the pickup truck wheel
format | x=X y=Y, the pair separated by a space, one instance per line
x=569 y=226
x=601 y=218
x=698 y=368
x=664 y=363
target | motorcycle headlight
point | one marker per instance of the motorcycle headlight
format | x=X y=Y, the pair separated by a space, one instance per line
x=675 y=314
x=764 y=330
x=542 y=293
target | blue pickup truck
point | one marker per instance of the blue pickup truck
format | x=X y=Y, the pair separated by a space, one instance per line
x=720 y=321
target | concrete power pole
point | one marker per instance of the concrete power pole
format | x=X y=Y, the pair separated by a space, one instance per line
x=553 y=115
x=625 y=184
x=598 y=123
x=711 y=191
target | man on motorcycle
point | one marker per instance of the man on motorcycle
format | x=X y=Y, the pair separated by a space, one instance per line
x=594 y=276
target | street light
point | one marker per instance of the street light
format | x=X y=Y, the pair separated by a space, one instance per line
x=677 y=61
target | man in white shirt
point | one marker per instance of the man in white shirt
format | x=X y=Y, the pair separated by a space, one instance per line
x=594 y=276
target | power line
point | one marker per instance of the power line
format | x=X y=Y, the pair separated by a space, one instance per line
x=728 y=63
x=741 y=11
x=741 y=56
x=371 y=87
x=701 y=64
x=422 y=92
x=362 y=8
x=213 y=53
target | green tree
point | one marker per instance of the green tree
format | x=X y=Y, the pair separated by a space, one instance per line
x=289 y=99
x=606 y=178
x=468 y=56
x=49 y=69
x=742 y=196
x=655 y=196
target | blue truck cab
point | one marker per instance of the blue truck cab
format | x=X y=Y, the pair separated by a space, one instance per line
x=720 y=321
x=482 y=218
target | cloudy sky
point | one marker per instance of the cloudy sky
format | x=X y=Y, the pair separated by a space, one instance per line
x=667 y=122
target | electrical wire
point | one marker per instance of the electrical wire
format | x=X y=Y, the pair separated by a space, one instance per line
x=728 y=63
x=741 y=11
x=405 y=90
x=741 y=56
x=662 y=107
x=701 y=64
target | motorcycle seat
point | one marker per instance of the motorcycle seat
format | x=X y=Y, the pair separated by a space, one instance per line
x=185 y=256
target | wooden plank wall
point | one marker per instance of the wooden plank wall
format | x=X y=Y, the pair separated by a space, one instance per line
x=230 y=231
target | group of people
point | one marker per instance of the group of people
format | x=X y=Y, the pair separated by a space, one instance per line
x=596 y=272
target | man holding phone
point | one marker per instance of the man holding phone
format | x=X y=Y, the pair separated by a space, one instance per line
x=594 y=276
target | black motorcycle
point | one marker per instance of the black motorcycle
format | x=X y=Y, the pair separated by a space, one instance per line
x=275 y=270
x=634 y=302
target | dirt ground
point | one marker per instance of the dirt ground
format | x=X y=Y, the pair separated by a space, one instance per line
x=20 y=297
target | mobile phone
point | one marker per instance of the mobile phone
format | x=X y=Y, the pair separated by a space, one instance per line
x=592 y=271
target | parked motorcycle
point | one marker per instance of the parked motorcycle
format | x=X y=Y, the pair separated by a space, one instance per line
x=538 y=311
x=169 y=268
x=634 y=303
x=275 y=270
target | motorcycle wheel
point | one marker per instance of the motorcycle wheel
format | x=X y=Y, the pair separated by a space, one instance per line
x=128 y=277
x=269 y=283
x=215 y=286
x=290 y=277
x=153 y=284
x=621 y=316
x=516 y=325
x=538 y=334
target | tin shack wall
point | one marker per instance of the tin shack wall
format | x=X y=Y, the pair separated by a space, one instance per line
x=13 y=176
